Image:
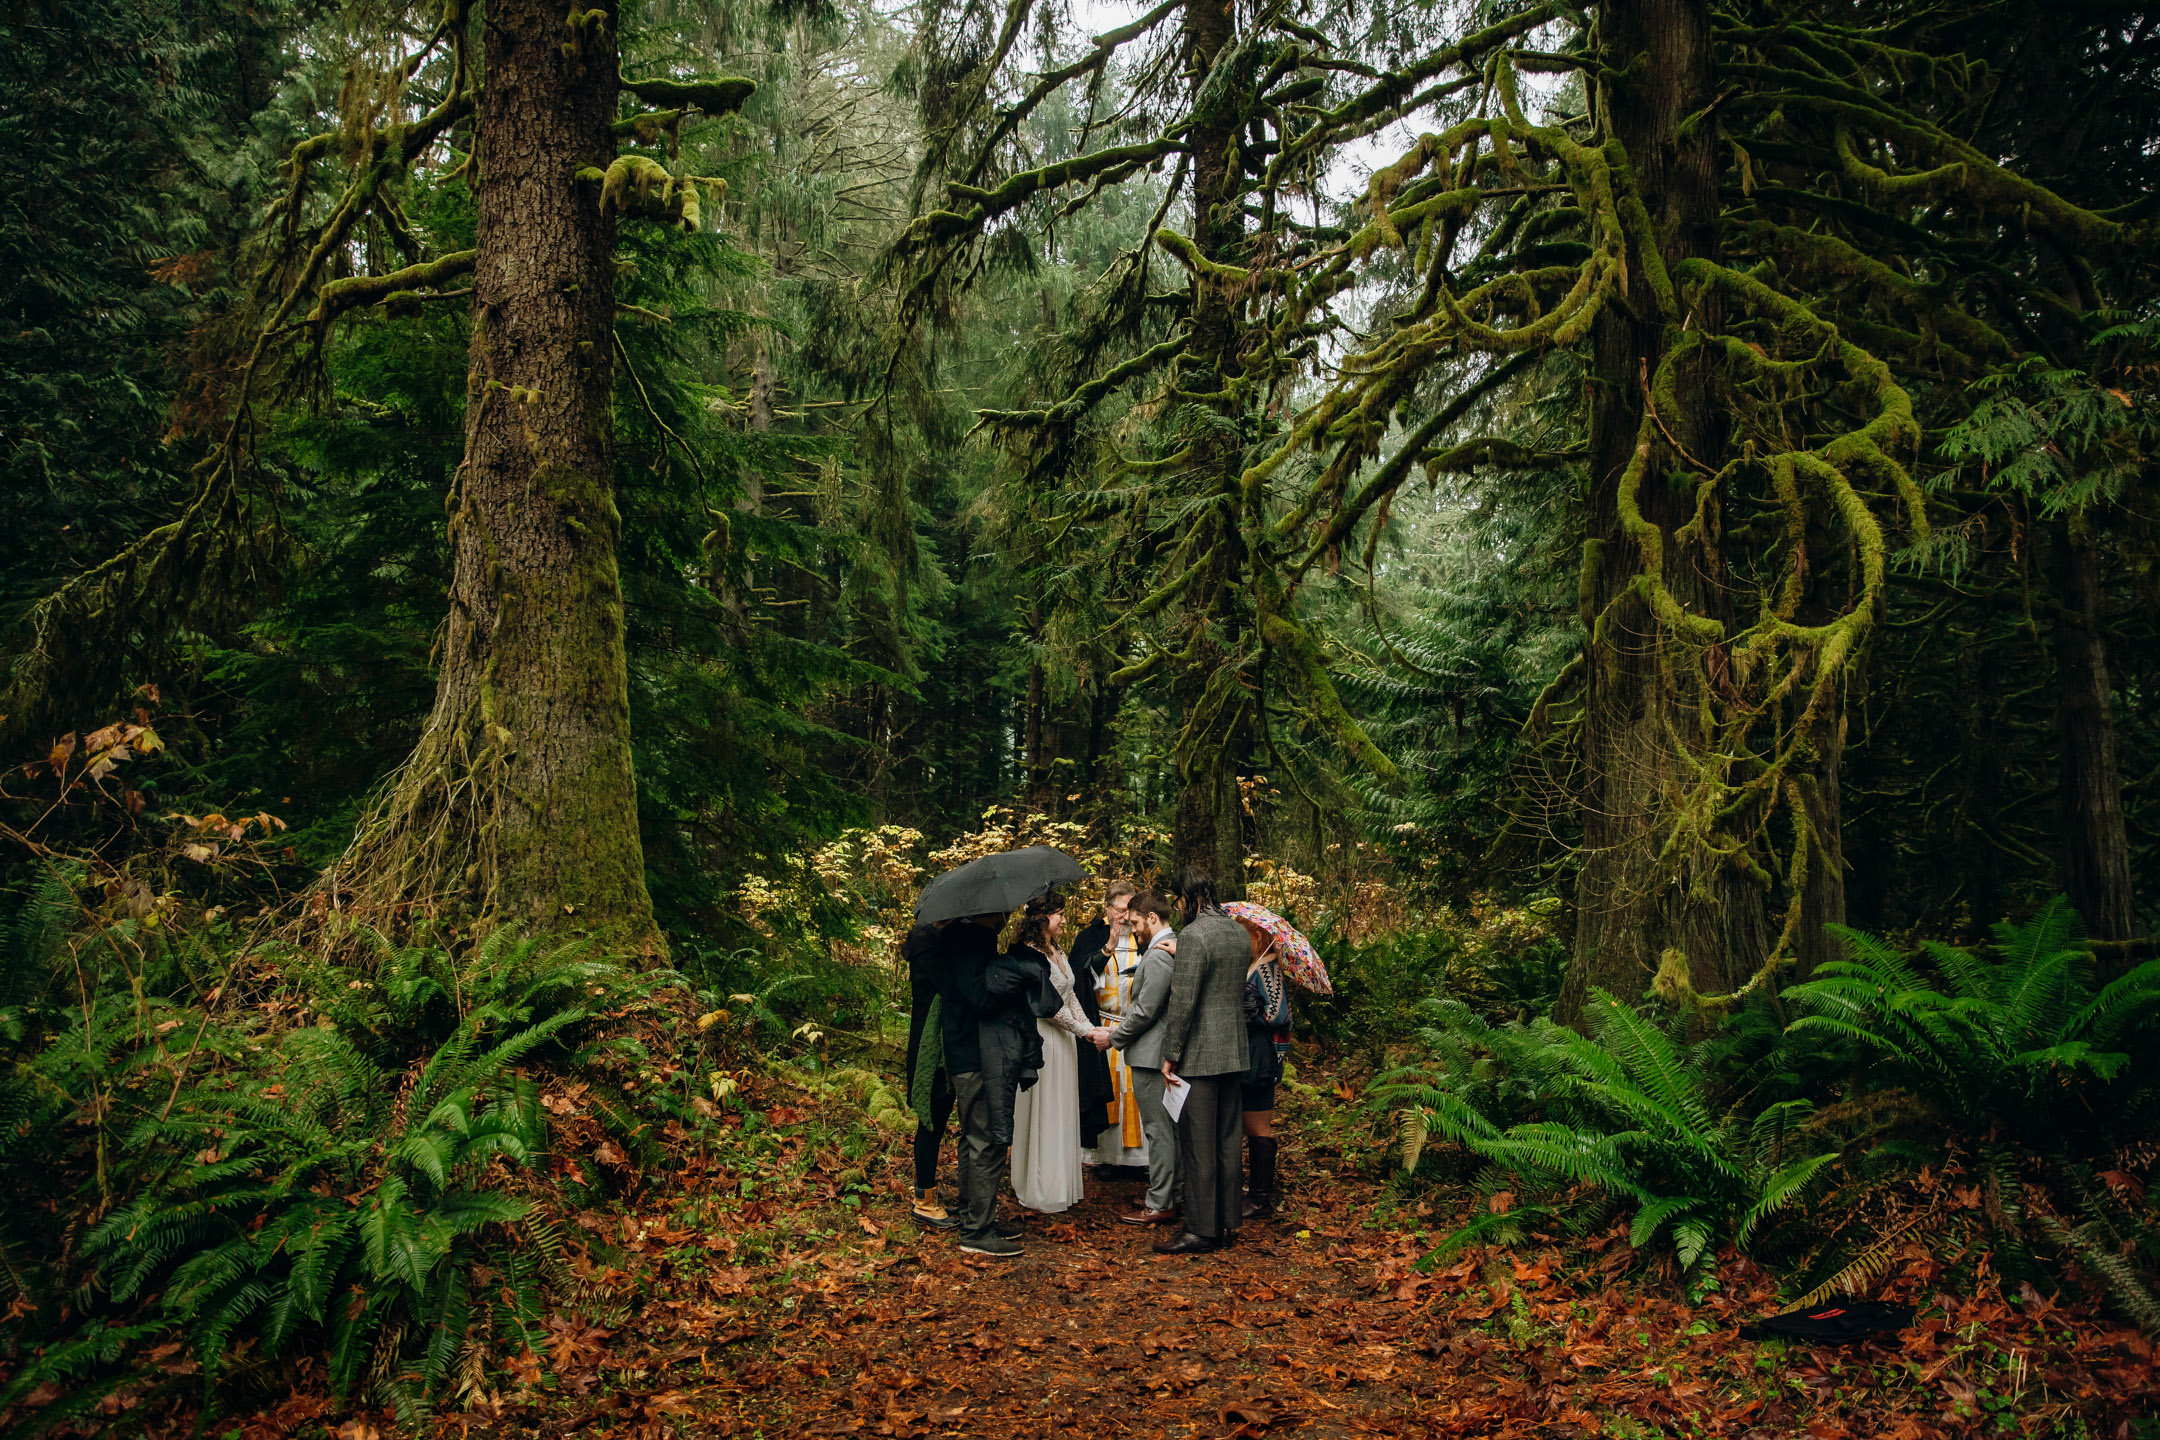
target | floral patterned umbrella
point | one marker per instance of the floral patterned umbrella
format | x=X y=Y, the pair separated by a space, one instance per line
x=1293 y=951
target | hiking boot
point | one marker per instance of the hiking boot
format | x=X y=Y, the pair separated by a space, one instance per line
x=929 y=1210
x=993 y=1245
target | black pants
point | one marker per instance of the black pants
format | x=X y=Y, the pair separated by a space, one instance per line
x=982 y=1158
x=929 y=1137
x=1211 y=1155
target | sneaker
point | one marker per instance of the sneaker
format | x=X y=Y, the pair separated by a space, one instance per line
x=928 y=1210
x=1010 y=1229
x=994 y=1245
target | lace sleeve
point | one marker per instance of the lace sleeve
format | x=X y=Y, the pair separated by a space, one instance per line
x=1070 y=1017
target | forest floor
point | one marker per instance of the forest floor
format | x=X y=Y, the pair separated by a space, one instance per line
x=773 y=1286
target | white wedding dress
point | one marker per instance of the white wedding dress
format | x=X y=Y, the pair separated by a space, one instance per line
x=1046 y=1173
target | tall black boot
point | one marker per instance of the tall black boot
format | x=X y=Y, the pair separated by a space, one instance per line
x=1260 y=1185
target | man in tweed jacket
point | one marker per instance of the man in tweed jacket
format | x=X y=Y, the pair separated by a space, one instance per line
x=1204 y=1045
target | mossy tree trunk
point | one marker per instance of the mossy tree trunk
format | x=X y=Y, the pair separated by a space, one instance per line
x=1639 y=896
x=1204 y=823
x=2096 y=872
x=518 y=805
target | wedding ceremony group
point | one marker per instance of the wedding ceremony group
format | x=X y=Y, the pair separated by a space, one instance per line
x=1153 y=1040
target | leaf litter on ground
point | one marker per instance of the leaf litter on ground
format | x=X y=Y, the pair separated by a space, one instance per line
x=767 y=1281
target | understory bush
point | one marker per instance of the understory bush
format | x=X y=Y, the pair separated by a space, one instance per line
x=2027 y=1057
x=1628 y=1110
x=1499 y=960
x=1999 y=1101
x=336 y=1159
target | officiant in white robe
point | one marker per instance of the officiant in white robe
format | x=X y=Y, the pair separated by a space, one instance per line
x=1124 y=1139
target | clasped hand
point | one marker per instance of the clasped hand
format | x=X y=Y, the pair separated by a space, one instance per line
x=1099 y=1038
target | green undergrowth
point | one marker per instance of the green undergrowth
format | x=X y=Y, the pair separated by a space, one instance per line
x=1986 y=1106
x=237 y=1164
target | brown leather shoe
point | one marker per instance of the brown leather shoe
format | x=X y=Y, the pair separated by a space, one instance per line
x=1148 y=1217
x=1187 y=1244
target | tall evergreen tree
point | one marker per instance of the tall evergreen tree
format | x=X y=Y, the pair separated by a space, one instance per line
x=133 y=171
x=1715 y=232
x=518 y=804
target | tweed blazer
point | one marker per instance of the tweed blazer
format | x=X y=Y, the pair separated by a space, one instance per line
x=1203 y=1028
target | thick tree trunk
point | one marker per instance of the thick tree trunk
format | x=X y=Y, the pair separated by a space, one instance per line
x=2095 y=835
x=1822 y=899
x=1198 y=835
x=1818 y=771
x=1102 y=706
x=518 y=806
x=1637 y=897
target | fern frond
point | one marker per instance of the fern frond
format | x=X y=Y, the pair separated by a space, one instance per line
x=1850 y=1277
x=2056 y=928
x=1779 y=1191
x=1652 y=1216
x=1411 y=1126
x=2122 y=1280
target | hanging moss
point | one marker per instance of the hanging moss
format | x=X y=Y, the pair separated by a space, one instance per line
x=643 y=188
x=340 y=296
x=721 y=95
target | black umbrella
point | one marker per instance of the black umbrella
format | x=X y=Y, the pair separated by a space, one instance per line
x=996 y=883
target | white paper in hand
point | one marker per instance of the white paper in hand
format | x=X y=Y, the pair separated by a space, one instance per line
x=1174 y=1093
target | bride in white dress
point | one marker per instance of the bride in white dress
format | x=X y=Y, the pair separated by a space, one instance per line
x=1046 y=1173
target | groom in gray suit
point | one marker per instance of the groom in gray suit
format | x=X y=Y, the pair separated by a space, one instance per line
x=1139 y=1037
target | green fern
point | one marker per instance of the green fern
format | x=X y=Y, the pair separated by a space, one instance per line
x=335 y=1187
x=2020 y=1048
x=1626 y=1110
x=2020 y=1044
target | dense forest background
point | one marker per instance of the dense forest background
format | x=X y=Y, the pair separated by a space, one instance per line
x=1590 y=510
x=846 y=606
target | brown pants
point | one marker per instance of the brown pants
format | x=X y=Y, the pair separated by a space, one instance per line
x=1211 y=1155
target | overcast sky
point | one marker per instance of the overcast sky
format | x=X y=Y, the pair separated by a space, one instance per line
x=1355 y=162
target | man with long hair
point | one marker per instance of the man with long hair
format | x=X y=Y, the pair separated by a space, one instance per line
x=1105 y=962
x=1204 y=1047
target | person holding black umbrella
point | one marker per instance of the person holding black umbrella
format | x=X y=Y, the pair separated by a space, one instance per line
x=985 y=1060
x=987 y=1006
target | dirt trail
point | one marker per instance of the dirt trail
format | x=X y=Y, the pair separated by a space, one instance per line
x=777 y=1289
x=1091 y=1333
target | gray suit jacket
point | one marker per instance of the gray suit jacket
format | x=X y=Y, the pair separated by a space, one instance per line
x=1139 y=1034
x=1203 y=1028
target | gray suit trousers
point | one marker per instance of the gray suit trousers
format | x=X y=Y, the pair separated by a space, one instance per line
x=1163 y=1190
x=1211 y=1155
